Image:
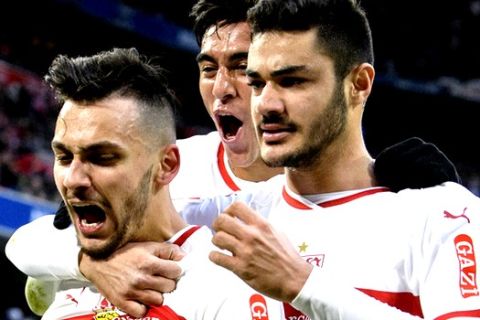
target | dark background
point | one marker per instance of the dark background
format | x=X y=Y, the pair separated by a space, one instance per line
x=427 y=62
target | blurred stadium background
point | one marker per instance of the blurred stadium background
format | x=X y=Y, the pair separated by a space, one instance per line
x=427 y=85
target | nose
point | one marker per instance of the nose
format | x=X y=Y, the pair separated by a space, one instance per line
x=76 y=175
x=267 y=101
x=224 y=87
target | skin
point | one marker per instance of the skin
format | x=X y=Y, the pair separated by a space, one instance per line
x=103 y=159
x=287 y=86
x=225 y=93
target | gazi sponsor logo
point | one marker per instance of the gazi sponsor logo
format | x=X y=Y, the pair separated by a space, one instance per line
x=468 y=266
x=258 y=307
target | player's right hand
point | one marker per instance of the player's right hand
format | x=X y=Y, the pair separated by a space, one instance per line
x=136 y=275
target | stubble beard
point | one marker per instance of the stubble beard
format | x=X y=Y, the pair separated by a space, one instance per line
x=134 y=218
x=330 y=123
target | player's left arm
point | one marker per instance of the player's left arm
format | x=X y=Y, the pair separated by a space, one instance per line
x=450 y=254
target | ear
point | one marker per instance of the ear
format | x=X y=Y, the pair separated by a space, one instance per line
x=362 y=81
x=169 y=164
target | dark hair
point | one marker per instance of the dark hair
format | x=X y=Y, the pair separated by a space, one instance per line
x=342 y=26
x=206 y=13
x=119 y=71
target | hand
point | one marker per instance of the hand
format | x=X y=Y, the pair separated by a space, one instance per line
x=136 y=275
x=62 y=218
x=262 y=257
x=413 y=163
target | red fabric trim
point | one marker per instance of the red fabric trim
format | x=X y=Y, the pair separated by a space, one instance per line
x=223 y=170
x=85 y=316
x=351 y=197
x=163 y=312
x=404 y=301
x=294 y=202
x=464 y=313
x=302 y=206
x=185 y=235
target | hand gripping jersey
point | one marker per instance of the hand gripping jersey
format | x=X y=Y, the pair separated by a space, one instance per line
x=378 y=254
x=205 y=291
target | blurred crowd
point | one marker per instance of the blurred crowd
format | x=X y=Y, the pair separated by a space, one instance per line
x=27 y=113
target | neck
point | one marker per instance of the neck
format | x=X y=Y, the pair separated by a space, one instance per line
x=162 y=220
x=257 y=171
x=340 y=168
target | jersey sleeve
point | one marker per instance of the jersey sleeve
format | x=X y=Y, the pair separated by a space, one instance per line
x=441 y=266
x=449 y=281
x=41 y=251
x=204 y=211
x=324 y=296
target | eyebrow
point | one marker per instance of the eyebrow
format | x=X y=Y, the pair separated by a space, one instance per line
x=234 y=57
x=99 y=145
x=277 y=73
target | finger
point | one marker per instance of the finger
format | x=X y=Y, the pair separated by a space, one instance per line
x=150 y=298
x=168 y=251
x=226 y=241
x=166 y=268
x=223 y=260
x=158 y=284
x=228 y=224
x=243 y=212
x=133 y=308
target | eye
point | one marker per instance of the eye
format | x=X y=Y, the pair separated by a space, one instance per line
x=104 y=159
x=63 y=158
x=291 y=81
x=255 y=84
x=241 y=67
x=208 y=71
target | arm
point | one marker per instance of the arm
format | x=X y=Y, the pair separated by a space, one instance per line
x=135 y=275
x=413 y=163
x=261 y=256
x=136 y=272
x=44 y=252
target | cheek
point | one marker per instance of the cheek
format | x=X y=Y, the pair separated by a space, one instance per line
x=206 y=87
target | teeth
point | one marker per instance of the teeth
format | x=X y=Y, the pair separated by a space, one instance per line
x=85 y=223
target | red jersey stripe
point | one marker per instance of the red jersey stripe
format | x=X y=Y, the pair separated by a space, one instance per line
x=223 y=170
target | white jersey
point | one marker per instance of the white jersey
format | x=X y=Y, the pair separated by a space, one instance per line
x=378 y=254
x=204 y=169
x=204 y=172
x=205 y=291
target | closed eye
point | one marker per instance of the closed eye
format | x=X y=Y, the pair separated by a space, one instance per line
x=291 y=81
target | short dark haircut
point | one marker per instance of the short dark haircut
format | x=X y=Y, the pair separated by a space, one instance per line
x=120 y=71
x=342 y=26
x=207 y=13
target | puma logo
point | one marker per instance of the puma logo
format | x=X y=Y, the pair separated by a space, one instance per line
x=447 y=214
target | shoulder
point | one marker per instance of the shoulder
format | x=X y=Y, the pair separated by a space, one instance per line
x=201 y=140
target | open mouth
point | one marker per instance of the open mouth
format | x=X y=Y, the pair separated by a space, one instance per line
x=90 y=215
x=230 y=126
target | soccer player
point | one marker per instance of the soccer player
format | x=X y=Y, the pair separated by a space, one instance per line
x=228 y=160
x=331 y=232
x=115 y=154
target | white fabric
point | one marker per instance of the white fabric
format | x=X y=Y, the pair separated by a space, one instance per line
x=416 y=246
x=205 y=291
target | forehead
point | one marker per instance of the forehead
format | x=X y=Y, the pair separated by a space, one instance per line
x=226 y=40
x=113 y=119
x=275 y=50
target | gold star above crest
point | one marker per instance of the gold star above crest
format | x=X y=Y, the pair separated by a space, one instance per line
x=303 y=247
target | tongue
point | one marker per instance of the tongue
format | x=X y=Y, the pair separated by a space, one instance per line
x=90 y=217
